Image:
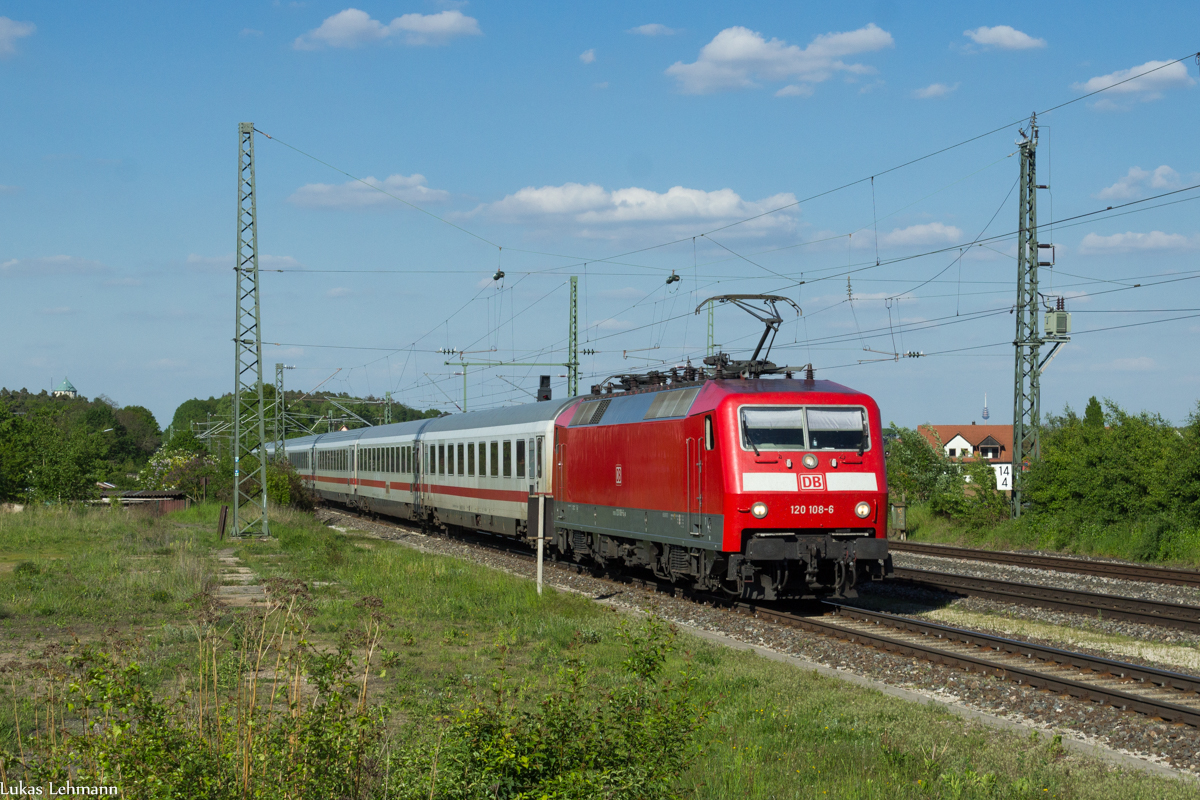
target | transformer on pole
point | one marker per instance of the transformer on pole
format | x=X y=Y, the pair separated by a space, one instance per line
x=1027 y=389
x=249 y=430
x=573 y=341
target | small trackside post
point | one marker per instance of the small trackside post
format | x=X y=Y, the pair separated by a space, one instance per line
x=541 y=539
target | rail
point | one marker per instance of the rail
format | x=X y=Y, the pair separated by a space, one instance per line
x=1082 y=566
x=1148 y=612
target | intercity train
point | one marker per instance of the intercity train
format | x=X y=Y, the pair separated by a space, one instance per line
x=763 y=488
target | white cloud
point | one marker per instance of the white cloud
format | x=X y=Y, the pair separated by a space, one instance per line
x=1137 y=180
x=225 y=262
x=934 y=90
x=795 y=90
x=738 y=57
x=354 y=194
x=600 y=85
x=653 y=29
x=10 y=31
x=936 y=233
x=587 y=56
x=1129 y=242
x=58 y=311
x=1136 y=364
x=592 y=204
x=1166 y=75
x=1003 y=37
x=353 y=28
x=9 y=189
x=250 y=32
x=338 y=291
x=611 y=324
x=51 y=265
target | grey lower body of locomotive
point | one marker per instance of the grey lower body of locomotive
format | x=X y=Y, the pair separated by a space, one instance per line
x=686 y=548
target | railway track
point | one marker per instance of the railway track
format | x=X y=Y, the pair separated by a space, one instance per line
x=1160 y=694
x=1082 y=566
x=1148 y=612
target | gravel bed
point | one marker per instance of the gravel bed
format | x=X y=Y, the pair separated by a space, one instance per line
x=914 y=602
x=1157 y=741
x=911 y=600
x=1141 y=590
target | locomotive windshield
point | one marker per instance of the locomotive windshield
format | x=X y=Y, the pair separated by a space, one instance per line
x=782 y=428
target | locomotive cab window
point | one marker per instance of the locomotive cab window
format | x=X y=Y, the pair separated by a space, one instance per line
x=792 y=428
x=837 y=429
x=710 y=440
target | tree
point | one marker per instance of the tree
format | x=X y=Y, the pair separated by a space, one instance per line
x=1093 y=415
x=914 y=467
x=140 y=429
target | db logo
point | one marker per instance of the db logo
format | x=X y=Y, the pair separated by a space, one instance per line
x=618 y=474
x=812 y=481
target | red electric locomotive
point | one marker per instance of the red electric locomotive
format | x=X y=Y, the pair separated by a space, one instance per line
x=764 y=488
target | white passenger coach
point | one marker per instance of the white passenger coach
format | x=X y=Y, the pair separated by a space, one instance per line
x=477 y=470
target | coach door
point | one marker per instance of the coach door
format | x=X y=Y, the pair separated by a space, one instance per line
x=353 y=488
x=695 y=485
x=418 y=473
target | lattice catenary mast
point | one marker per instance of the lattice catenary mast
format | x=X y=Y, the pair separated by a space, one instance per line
x=249 y=430
x=1027 y=393
x=573 y=341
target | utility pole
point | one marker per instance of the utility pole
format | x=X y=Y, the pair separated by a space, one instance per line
x=1027 y=393
x=280 y=412
x=572 y=342
x=387 y=408
x=711 y=347
x=249 y=430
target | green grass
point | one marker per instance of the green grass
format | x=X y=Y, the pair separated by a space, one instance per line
x=1157 y=540
x=452 y=627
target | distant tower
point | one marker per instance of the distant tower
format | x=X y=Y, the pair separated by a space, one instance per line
x=65 y=389
x=985 y=411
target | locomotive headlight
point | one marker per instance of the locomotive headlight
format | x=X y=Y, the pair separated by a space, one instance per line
x=759 y=510
x=863 y=510
x=810 y=461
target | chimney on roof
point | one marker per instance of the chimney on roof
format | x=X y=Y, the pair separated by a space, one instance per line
x=972 y=422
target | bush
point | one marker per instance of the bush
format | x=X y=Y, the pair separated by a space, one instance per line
x=631 y=741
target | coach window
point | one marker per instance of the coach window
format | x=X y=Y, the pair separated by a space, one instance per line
x=494 y=461
x=441 y=454
x=471 y=459
x=460 y=460
x=520 y=458
x=450 y=459
x=482 y=459
x=540 y=445
x=507 y=461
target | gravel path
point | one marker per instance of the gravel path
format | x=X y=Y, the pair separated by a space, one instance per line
x=1160 y=742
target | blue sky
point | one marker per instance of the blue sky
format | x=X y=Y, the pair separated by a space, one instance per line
x=550 y=140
